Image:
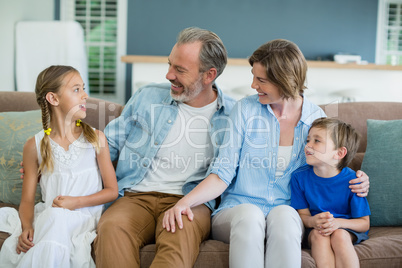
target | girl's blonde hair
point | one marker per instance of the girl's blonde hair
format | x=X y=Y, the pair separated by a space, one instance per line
x=51 y=80
x=285 y=66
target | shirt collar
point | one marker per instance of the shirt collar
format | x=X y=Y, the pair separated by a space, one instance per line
x=309 y=111
x=221 y=103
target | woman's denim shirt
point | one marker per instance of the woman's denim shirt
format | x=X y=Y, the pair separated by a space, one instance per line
x=248 y=158
x=136 y=135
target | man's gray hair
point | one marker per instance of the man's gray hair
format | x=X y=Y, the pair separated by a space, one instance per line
x=213 y=53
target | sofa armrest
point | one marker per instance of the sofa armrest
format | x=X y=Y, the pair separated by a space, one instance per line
x=101 y=112
x=13 y=101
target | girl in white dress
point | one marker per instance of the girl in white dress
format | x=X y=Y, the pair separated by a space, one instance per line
x=73 y=160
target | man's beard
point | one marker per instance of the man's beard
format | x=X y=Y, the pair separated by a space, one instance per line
x=189 y=93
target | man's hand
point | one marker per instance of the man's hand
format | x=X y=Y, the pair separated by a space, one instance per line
x=174 y=214
x=22 y=170
x=361 y=184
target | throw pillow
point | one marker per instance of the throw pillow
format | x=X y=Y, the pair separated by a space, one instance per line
x=15 y=129
x=382 y=163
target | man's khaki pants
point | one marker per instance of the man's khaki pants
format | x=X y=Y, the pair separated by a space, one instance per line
x=135 y=220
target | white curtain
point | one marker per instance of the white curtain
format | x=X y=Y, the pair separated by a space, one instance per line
x=40 y=44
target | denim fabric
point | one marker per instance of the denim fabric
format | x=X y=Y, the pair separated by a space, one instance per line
x=136 y=135
x=248 y=158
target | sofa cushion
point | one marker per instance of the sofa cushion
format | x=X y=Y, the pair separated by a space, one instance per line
x=15 y=129
x=382 y=163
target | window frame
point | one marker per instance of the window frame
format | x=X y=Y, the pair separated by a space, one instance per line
x=67 y=12
x=382 y=33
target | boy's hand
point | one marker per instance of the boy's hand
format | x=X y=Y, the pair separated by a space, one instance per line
x=25 y=240
x=331 y=228
x=323 y=221
x=361 y=184
x=68 y=202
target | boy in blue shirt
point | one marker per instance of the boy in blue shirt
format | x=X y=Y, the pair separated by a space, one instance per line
x=334 y=217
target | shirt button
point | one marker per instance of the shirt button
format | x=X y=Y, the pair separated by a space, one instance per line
x=156 y=143
x=294 y=155
x=169 y=121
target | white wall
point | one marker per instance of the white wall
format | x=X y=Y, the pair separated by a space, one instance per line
x=12 y=11
x=330 y=85
x=325 y=85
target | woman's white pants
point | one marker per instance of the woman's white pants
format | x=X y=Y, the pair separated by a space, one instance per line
x=246 y=229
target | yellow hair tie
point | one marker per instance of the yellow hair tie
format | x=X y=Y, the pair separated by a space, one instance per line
x=47 y=131
x=78 y=123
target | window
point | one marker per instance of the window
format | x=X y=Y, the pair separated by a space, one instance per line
x=389 y=32
x=104 y=23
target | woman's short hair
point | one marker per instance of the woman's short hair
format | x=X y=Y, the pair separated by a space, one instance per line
x=285 y=66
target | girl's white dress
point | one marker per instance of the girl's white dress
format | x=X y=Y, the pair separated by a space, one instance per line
x=62 y=237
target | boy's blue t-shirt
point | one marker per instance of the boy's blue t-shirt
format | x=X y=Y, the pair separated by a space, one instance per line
x=327 y=194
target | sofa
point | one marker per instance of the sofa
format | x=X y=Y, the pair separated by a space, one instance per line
x=384 y=248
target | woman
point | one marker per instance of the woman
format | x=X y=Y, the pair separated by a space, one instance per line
x=252 y=172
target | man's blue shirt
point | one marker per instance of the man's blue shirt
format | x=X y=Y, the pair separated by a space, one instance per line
x=136 y=135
